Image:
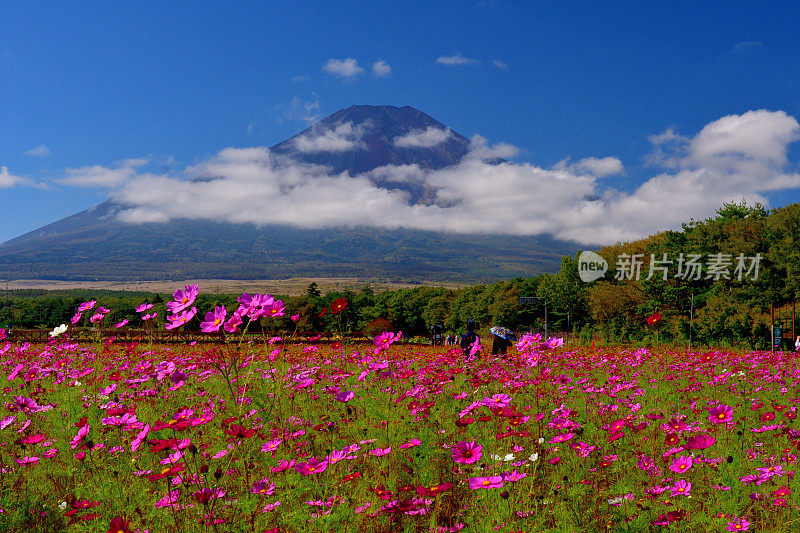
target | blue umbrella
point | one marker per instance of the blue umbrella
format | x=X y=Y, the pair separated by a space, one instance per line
x=504 y=333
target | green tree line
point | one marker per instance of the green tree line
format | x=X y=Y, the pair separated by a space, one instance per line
x=711 y=309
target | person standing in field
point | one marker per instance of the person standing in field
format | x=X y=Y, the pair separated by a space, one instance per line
x=500 y=345
x=469 y=339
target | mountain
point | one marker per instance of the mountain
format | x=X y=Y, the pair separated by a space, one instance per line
x=95 y=245
x=380 y=127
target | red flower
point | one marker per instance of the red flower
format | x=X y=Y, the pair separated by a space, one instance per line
x=118 y=525
x=240 y=432
x=654 y=318
x=338 y=305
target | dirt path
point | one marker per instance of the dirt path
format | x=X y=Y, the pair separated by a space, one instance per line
x=287 y=287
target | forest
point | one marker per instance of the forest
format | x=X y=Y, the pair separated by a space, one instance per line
x=713 y=309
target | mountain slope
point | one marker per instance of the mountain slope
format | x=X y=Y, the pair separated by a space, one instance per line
x=95 y=245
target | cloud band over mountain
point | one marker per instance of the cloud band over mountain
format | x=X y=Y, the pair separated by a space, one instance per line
x=736 y=157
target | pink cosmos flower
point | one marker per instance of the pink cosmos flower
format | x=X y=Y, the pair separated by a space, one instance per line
x=562 y=438
x=214 y=320
x=233 y=322
x=136 y=442
x=170 y=499
x=514 y=476
x=77 y=439
x=295 y=318
x=76 y=318
x=255 y=306
x=700 y=442
x=491 y=482
x=85 y=306
x=97 y=317
x=411 y=443
x=274 y=309
x=739 y=524
x=141 y=308
x=19 y=367
x=263 y=487
x=271 y=445
x=282 y=466
x=270 y=507
x=498 y=400
x=384 y=340
x=177 y=320
x=467 y=452
x=681 y=464
x=720 y=414
x=345 y=396
x=145 y=318
x=121 y=323
x=378 y=452
x=27 y=460
x=313 y=466
x=681 y=488
x=183 y=298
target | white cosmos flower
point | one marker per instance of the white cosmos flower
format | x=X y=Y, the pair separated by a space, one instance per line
x=58 y=330
x=533 y=457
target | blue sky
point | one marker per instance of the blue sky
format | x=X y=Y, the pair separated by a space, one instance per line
x=95 y=84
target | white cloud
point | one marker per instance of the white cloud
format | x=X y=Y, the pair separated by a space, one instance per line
x=427 y=138
x=737 y=157
x=760 y=136
x=381 y=68
x=299 y=79
x=340 y=139
x=8 y=180
x=346 y=68
x=100 y=176
x=480 y=150
x=39 y=151
x=502 y=65
x=598 y=167
x=456 y=59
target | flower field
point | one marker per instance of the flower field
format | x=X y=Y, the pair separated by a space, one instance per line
x=386 y=436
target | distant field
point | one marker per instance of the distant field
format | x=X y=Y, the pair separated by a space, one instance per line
x=288 y=287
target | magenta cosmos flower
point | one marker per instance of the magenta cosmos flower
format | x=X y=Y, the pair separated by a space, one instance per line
x=214 y=320
x=384 y=340
x=740 y=524
x=85 y=306
x=681 y=488
x=467 y=452
x=681 y=464
x=183 y=298
x=720 y=414
x=498 y=400
x=700 y=442
x=177 y=320
x=491 y=482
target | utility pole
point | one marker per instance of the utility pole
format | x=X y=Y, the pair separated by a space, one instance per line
x=772 y=325
x=691 y=319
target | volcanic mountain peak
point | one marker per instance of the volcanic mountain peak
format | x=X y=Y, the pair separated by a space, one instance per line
x=361 y=138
